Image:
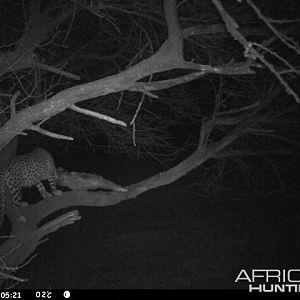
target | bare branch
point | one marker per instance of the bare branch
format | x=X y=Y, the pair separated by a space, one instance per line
x=51 y=134
x=250 y=52
x=13 y=103
x=97 y=115
x=287 y=41
x=58 y=71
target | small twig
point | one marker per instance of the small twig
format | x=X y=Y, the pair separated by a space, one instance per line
x=134 y=118
x=138 y=109
x=8 y=276
x=97 y=115
x=13 y=103
x=59 y=71
x=133 y=134
x=51 y=134
x=206 y=129
x=237 y=110
x=292 y=68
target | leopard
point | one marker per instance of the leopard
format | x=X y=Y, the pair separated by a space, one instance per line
x=26 y=170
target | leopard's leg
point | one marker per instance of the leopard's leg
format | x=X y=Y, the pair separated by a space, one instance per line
x=52 y=182
x=17 y=202
x=42 y=190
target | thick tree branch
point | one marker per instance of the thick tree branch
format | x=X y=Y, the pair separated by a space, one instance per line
x=27 y=235
x=168 y=57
